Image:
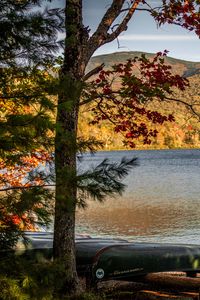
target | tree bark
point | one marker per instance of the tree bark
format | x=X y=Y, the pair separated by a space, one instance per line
x=65 y=204
x=65 y=148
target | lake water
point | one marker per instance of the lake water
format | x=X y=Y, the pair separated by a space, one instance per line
x=161 y=202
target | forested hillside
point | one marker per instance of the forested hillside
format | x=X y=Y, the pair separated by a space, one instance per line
x=183 y=133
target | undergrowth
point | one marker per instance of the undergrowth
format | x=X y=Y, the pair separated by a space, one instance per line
x=22 y=279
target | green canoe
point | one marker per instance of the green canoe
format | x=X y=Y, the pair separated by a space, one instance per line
x=104 y=259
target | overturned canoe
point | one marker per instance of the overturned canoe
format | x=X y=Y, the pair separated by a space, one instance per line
x=104 y=259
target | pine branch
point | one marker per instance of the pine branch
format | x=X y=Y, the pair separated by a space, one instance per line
x=28 y=36
x=105 y=179
x=90 y=144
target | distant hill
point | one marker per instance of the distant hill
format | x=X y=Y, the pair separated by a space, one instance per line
x=182 y=67
x=183 y=133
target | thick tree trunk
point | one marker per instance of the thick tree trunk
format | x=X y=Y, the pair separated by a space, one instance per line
x=65 y=149
x=65 y=167
x=66 y=191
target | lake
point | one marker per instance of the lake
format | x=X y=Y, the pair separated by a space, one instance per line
x=161 y=202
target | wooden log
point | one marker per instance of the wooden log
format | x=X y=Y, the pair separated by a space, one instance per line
x=156 y=286
x=194 y=296
x=171 y=281
x=157 y=295
x=147 y=291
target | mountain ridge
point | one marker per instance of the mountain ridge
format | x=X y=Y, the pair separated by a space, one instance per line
x=183 y=67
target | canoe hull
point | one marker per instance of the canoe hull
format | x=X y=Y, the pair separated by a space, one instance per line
x=124 y=262
x=104 y=259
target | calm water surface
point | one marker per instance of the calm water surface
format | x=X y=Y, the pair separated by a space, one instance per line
x=161 y=201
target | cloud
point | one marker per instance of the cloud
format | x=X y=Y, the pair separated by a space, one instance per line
x=156 y=37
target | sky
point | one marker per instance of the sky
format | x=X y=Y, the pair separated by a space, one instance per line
x=143 y=34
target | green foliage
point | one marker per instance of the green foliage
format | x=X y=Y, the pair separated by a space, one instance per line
x=23 y=279
x=88 y=144
x=25 y=120
x=9 y=234
x=26 y=279
x=103 y=180
x=23 y=208
x=28 y=44
x=27 y=34
x=10 y=290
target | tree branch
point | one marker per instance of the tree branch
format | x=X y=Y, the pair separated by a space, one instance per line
x=191 y=106
x=101 y=36
x=93 y=72
x=25 y=187
x=123 y=25
x=109 y=17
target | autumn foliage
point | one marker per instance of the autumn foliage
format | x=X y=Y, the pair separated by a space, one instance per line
x=121 y=96
x=23 y=205
x=15 y=176
x=185 y=13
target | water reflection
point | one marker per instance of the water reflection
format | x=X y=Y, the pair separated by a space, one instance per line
x=160 y=203
x=139 y=219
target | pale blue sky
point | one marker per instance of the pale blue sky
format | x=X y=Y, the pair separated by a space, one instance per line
x=143 y=34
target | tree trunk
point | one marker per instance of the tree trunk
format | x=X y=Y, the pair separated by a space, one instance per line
x=78 y=50
x=65 y=168
x=65 y=149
